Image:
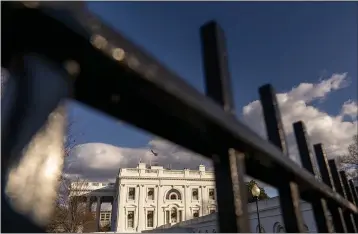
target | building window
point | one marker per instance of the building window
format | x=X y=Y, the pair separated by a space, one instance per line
x=150 y=219
x=212 y=210
x=195 y=213
x=195 y=194
x=214 y=231
x=131 y=193
x=151 y=194
x=211 y=194
x=130 y=219
x=174 y=215
x=173 y=194
x=105 y=216
x=95 y=184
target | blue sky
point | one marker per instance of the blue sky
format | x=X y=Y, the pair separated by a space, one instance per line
x=280 y=43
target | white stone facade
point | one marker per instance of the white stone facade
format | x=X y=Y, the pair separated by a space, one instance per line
x=145 y=198
x=151 y=197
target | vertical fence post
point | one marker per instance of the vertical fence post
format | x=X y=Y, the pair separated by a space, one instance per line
x=288 y=189
x=230 y=166
x=349 y=196
x=336 y=212
x=354 y=192
x=339 y=188
x=319 y=205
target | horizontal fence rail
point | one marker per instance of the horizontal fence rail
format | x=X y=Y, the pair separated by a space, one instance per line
x=111 y=74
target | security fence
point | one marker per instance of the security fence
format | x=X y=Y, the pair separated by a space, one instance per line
x=111 y=74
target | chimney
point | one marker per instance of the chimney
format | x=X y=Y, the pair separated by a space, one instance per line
x=201 y=167
x=141 y=166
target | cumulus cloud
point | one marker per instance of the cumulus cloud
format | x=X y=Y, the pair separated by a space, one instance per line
x=98 y=160
x=333 y=131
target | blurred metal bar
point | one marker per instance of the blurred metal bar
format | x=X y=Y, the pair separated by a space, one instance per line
x=339 y=189
x=230 y=166
x=319 y=206
x=288 y=189
x=349 y=196
x=336 y=212
x=354 y=192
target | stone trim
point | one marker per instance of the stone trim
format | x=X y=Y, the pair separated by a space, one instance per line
x=167 y=178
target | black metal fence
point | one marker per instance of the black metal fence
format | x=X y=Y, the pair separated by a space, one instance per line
x=116 y=77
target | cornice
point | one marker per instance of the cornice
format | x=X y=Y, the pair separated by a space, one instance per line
x=166 y=178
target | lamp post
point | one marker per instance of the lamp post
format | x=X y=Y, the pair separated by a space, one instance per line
x=255 y=191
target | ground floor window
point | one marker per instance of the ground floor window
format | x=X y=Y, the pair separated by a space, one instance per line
x=150 y=219
x=130 y=219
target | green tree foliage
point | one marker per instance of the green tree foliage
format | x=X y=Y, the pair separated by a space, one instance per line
x=262 y=196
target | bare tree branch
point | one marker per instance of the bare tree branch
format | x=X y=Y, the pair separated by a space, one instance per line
x=350 y=161
x=71 y=212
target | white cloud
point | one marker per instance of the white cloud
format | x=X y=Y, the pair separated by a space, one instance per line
x=333 y=131
x=97 y=160
x=102 y=161
x=350 y=108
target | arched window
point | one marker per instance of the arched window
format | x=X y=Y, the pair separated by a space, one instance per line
x=173 y=194
x=262 y=229
x=278 y=228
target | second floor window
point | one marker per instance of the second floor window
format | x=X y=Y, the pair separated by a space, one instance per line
x=211 y=194
x=131 y=193
x=195 y=194
x=151 y=194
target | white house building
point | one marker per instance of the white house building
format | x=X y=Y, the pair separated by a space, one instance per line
x=153 y=198
x=144 y=198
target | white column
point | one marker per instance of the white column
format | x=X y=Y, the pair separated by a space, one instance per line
x=156 y=213
x=187 y=202
x=98 y=212
x=203 y=200
x=160 y=218
x=141 y=220
x=121 y=214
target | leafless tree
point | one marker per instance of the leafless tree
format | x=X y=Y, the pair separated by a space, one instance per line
x=71 y=214
x=351 y=158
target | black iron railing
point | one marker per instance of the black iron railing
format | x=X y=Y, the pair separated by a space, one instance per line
x=116 y=77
